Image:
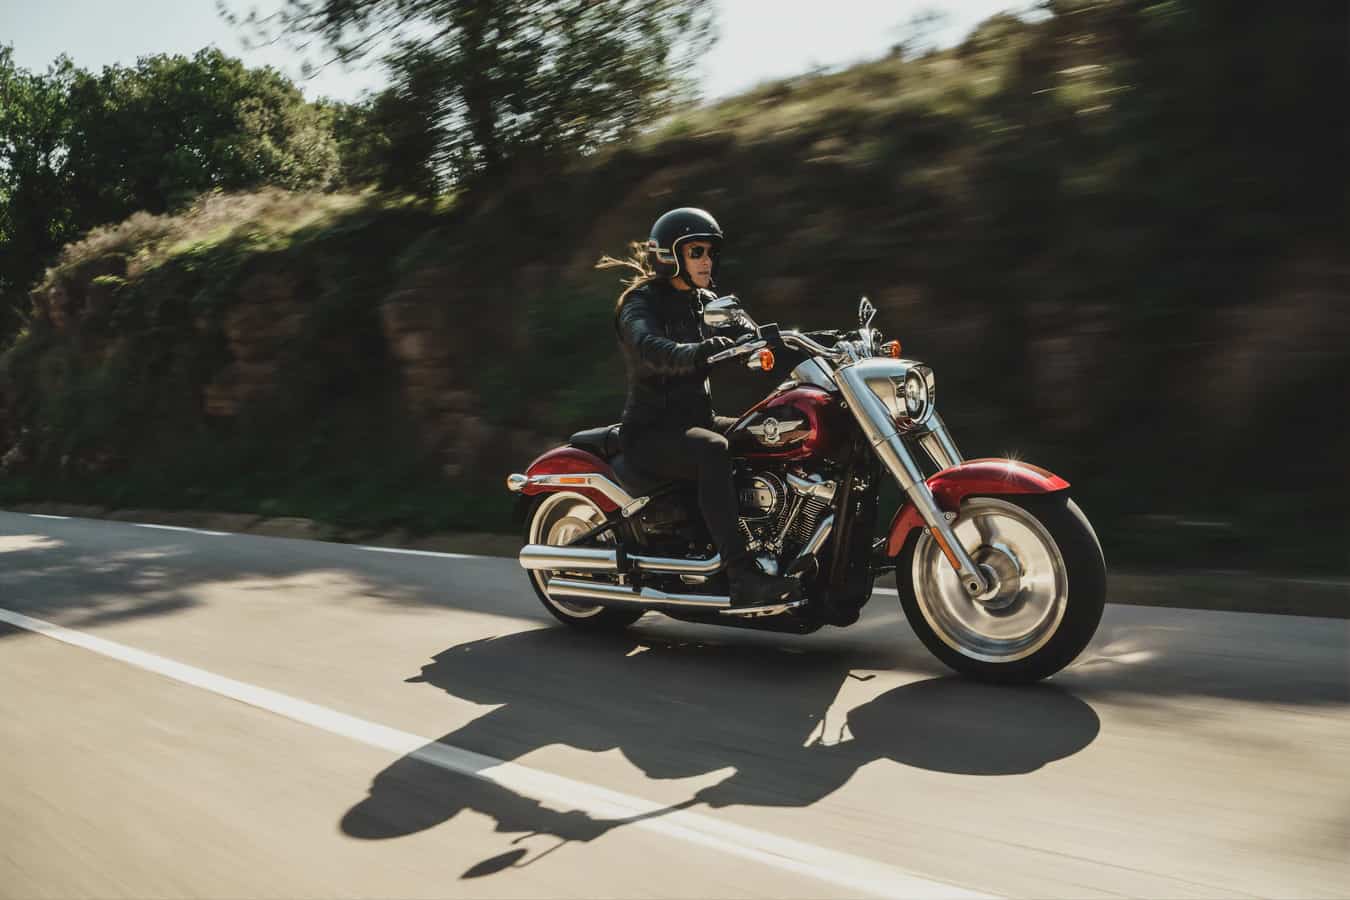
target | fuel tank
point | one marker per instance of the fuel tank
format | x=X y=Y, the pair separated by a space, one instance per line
x=796 y=421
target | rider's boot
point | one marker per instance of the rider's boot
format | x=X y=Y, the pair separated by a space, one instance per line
x=752 y=587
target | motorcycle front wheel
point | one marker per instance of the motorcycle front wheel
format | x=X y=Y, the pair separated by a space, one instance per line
x=557 y=519
x=1048 y=579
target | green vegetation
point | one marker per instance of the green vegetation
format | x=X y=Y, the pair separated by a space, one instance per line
x=1116 y=233
x=481 y=85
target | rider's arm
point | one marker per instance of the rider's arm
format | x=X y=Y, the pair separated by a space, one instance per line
x=657 y=354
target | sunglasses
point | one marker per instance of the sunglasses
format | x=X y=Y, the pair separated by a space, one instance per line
x=697 y=251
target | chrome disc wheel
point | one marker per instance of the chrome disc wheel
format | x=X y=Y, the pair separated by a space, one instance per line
x=559 y=521
x=1028 y=594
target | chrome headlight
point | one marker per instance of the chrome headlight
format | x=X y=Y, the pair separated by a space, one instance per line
x=906 y=388
x=918 y=398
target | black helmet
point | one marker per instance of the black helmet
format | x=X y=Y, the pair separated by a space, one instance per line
x=674 y=228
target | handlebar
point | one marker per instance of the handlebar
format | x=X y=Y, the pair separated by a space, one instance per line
x=787 y=336
x=802 y=342
x=742 y=349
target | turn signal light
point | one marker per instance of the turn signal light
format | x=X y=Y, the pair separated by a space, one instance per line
x=571 y=481
x=891 y=349
x=765 y=359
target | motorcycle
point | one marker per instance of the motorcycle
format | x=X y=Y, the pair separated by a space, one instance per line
x=999 y=572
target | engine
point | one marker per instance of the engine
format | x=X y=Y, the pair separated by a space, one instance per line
x=780 y=509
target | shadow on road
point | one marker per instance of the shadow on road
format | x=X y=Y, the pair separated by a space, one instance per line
x=677 y=709
x=110 y=572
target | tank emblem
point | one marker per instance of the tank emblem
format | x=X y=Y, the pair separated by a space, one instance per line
x=771 y=431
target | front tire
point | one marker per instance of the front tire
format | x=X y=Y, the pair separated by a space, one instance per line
x=558 y=519
x=1045 y=606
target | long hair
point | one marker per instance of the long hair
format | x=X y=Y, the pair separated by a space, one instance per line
x=637 y=264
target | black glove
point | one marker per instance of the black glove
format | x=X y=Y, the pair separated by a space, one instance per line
x=708 y=346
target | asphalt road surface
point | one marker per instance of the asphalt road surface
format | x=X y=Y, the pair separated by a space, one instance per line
x=196 y=714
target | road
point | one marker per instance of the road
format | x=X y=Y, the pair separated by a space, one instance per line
x=197 y=714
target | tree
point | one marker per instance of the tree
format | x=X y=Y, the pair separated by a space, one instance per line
x=154 y=136
x=36 y=214
x=79 y=150
x=388 y=140
x=505 y=78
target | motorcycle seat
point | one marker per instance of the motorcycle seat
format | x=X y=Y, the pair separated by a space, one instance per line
x=606 y=444
x=634 y=480
x=603 y=442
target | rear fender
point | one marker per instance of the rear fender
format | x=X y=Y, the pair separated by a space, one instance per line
x=565 y=461
x=977 y=477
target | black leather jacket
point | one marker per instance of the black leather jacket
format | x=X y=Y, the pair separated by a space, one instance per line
x=659 y=331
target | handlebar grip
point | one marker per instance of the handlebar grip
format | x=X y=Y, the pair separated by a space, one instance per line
x=737 y=351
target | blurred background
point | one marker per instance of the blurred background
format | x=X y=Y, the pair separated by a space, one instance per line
x=334 y=258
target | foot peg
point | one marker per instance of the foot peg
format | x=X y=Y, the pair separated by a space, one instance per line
x=759 y=612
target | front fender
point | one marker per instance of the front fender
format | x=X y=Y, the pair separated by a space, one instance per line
x=983 y=477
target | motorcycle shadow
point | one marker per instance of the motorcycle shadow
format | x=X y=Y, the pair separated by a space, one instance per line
x=679 y=708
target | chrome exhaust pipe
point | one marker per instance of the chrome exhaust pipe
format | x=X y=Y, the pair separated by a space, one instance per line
x=618 y=594
x=596 y=559
x=573 y=559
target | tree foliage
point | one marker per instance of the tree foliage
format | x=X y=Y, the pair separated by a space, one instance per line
x=35 y=213
x=79 y=149
x=502 y=79
x=152 y=136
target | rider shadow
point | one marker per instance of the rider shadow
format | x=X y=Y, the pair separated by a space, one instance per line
x=678 y=708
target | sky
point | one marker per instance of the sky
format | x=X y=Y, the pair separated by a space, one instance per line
x=759 y=40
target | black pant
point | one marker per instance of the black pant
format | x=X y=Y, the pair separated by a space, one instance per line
x=700 y=455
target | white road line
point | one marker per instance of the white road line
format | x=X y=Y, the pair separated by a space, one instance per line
x=851 y=873
x=180 y=528
x=427 y=553
x=42 y=516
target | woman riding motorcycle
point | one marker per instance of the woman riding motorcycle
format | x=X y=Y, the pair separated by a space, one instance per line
x=669 y=429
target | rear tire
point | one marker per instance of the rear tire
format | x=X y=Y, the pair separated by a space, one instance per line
x=557 y=519
x=1052 y=589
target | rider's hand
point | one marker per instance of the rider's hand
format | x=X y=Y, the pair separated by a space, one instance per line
x=708 y=346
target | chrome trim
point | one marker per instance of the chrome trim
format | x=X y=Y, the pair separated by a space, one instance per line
x=938 y=429
x=874 y=418
x=516 y=482
x=533 y=557
x=678 y=566
x=599 y=559
x=939 y=446
x=616 y=494
x=866 y=313
x=885 y=379
x=1029 y=592
x=635 y=507
x=618 y=594
x=760 y=612
x=736 y=351
x=812 y=546
x=813 y=371
x=722 y=311
x=771 y=431
x=810 y=345
x=808 y=488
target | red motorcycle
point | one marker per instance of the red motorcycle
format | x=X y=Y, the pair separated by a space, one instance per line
x=999 y=572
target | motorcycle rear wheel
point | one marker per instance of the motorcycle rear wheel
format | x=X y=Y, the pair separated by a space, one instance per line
x=557 y=519
x=1049 y=593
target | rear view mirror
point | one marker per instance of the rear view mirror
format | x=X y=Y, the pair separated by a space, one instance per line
x=723 y=311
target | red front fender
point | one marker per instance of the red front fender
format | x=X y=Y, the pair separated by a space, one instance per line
x=985 y=477
x=571 y=461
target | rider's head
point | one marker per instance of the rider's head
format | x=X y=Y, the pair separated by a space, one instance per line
x=684 y=246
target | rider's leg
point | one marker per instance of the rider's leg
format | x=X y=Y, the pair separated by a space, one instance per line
x=703 y=455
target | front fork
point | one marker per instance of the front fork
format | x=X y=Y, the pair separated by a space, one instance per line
x=881 y=433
